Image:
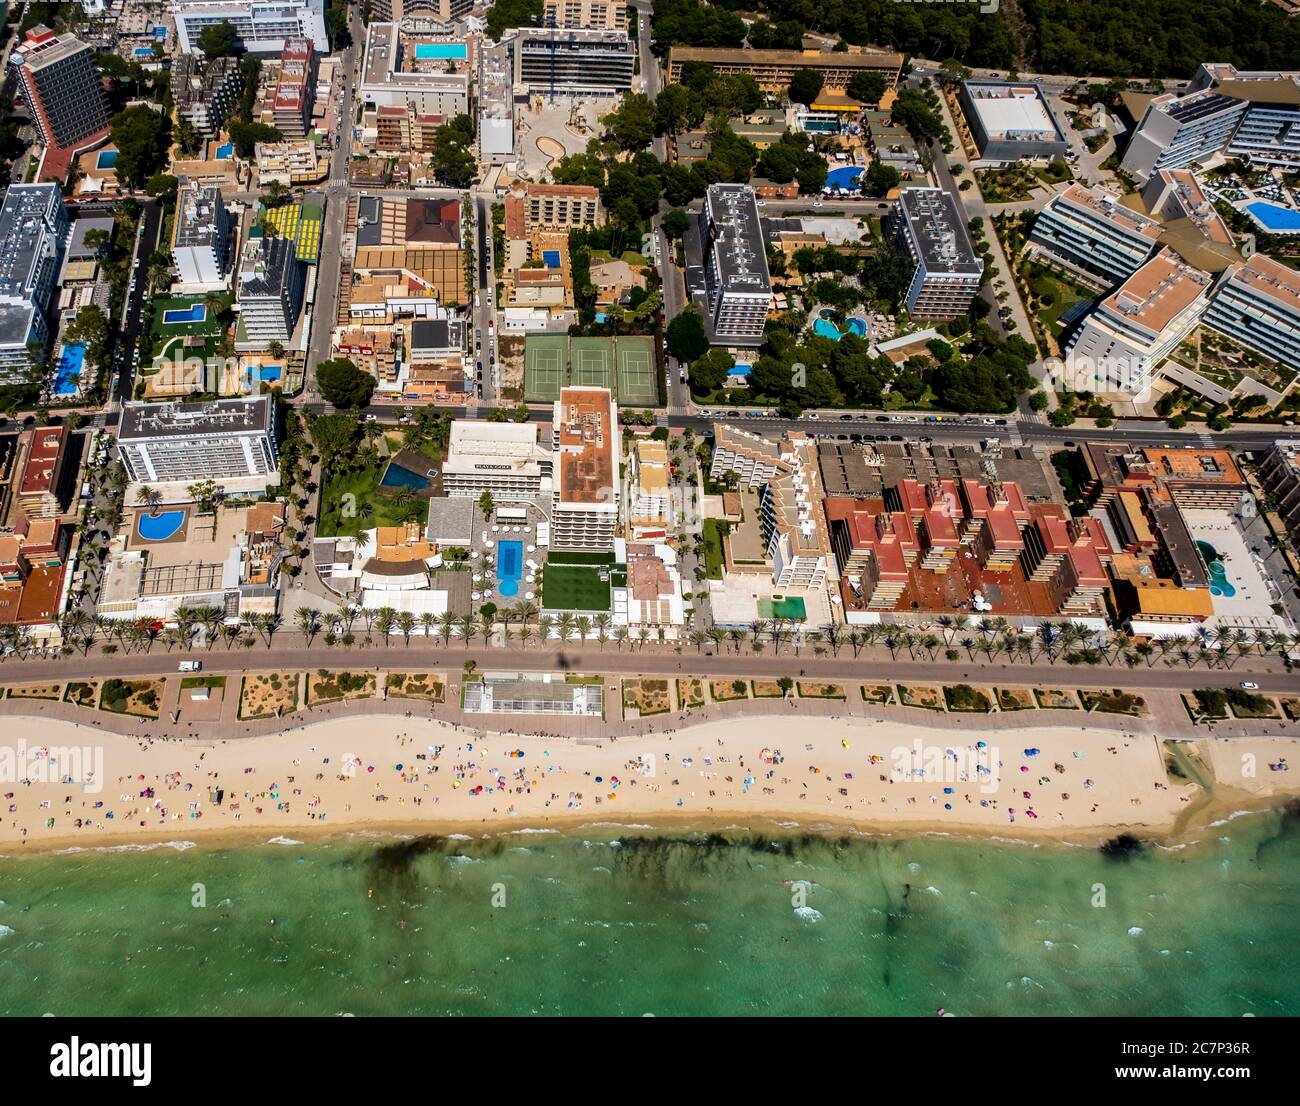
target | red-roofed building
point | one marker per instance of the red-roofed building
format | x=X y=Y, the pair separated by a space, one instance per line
x=1069 y=555
x=41 y=489
x=995 y=513
x=296 y=90
x=935 y=510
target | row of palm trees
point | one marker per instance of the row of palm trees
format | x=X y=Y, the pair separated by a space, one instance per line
x=81 y=629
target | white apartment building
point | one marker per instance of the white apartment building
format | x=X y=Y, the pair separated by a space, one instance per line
x=755 y=460
x=929 y=225
x=1177 y=130
x=503 y=458
x=793 y=521
x=271 y=284
x=1258 y=304
x=262 y=26
x=201 y=248
x=567 y=62
x=649 y=512
x=227 y=440
x=738 y=288
x=396 y=72
x=604 y=15
x=33 y=226
x=1123 y=342
x=1090 y=232
x=584 y=510
x=1269 y=132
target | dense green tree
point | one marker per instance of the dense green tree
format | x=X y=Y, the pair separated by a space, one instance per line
x=343 y=384
x=911 y=110
x=675 y=223
x=708 y=373
x=246 y=136
x=867 y=88
x=687 y=338
x=805 y=84
x=219 y=40
x=632 y=123
x=879 y=179
x=142 y=137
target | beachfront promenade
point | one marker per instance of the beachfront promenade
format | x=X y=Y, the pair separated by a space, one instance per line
x=1166 y=716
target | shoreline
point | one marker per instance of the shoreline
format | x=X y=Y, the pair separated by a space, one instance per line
x=1174 y=811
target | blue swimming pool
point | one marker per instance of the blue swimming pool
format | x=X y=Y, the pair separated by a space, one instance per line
x=428 y=51
x=106 y=159
x=228 y=150
x=399 y=476
x=67 y=374
x=510 y=566
x=195 y=313
x=1275 y=217
x=844 y=178
x=269 y=372
x=159 y=527
x=1219 y=585
x=828 y=329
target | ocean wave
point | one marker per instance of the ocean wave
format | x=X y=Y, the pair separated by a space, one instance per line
x=179 y=846
x=280 y=840
x=529 y=829
x=458 y=858
x=459 y=837
x=1135 y=931
x=933 y=890
x=5 y=931
x=808 y=914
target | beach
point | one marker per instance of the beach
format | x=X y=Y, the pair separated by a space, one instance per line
x=414 y=775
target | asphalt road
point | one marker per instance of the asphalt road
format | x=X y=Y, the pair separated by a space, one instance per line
x=289 y=653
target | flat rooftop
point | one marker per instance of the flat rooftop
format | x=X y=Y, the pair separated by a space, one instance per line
x=23 y=230
x=587 y=434
x=1105 y=203
x=939 y=230
x=732 y=214
x=247 y=415
x=1160 y=291
x=1269 y=278
x=1013 y=111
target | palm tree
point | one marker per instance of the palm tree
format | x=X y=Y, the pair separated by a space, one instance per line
x=621 y=634
x=564 y=626
x=643 y=635
x=698 y=638
x=544 y=625
x=230 y=632
x=526 y=610
x=468 y=628
x=427 y=622
x=583 y=625
x=308 y=623
x=526 y=634
x=147 y=496
x=384 y=620
x=406 y=623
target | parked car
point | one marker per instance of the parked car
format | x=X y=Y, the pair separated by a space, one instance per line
x=190 y=666
x=1250 y=685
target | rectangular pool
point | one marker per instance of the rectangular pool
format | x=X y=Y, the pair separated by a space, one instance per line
x=429 y=51
x=510 y=566
x=195 y=313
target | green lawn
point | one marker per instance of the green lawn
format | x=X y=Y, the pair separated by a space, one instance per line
x=160 y=333
x=713 y=559
x=352 y=502
x=568 y=587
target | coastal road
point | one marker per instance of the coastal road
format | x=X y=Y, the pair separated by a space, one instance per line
x=289 y=653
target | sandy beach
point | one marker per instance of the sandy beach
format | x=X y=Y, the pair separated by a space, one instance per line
x=391 y=775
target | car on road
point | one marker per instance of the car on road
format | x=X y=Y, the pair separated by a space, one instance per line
x=882 y=418
x=1250 y=685
x=847 y=418
x=371 y=418
x=190 y=666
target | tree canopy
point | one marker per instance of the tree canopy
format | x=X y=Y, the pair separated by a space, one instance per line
x=219 y=40
x=805 y=84
x=343 y=384
x=142 y=137
x=687 y=338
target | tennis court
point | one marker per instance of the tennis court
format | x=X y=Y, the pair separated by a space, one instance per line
x=636 y=372
x=591 y=367
x=544 y=368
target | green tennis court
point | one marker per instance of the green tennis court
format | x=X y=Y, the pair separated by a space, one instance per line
x=544 y=368
x=590 y=358
x=636 y=372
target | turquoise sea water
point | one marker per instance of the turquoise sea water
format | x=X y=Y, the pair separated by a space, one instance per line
x=621 y=921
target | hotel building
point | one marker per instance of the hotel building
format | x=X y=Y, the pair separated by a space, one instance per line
x=223 y=440
x=929 y=226
x=584 y=512
x=564 y=62
x=33 y=227
x=503 y=458
x=772 y=69
x=1089 y=231
x=1258 y=304
x=738 y=289
x=261 y=27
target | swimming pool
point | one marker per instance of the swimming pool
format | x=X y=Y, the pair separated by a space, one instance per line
x=159 y=527
x=1274 y=217
x=399 y=476
x=269 y=372
x=428 y=51
x=783 y=606
x=195 y=313
x=106 y=159
x=844 y=178
x=68 y=372
x=828 y=329
x=1219 y=585
x=228 y=150
x=510 y=566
